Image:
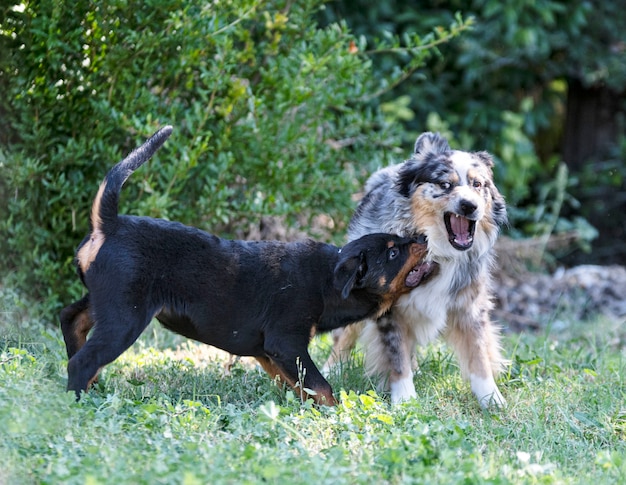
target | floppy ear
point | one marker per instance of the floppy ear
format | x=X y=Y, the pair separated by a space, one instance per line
x=349 y=272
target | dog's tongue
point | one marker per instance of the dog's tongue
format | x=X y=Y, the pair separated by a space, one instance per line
x=414 y=278
x=460 y=228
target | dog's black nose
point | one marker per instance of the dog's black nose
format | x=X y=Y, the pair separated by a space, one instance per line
x=467 y=207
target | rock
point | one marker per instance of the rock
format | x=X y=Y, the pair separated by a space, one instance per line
x=529 y=300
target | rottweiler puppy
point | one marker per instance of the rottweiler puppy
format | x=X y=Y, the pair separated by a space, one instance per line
x=264 y=299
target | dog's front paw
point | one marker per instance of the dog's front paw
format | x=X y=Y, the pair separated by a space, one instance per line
x=495 y=400
x=487 y=392
x=402 y=390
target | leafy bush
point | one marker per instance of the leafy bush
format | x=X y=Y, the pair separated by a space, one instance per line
x=272 y=115
x=502 y=86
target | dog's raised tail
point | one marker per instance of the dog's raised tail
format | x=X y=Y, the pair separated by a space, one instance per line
x=104 y=210
x=105 y=205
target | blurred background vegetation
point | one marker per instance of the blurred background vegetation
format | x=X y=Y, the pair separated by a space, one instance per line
x=283 y=108
x=542 y=85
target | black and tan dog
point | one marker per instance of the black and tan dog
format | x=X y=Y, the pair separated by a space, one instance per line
x=262 y=299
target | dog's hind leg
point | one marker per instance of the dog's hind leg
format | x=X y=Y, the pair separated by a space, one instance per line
x=476 y=344
x=113 y=333
x=76 y=322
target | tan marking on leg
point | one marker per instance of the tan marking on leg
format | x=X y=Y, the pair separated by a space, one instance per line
x=82 y=324
x=321 y=395
x=96 y=222
x=94 y=379
x=273 y=370
x=477 y=347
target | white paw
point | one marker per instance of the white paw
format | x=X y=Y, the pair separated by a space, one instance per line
x=403 y=390
x=487 y=392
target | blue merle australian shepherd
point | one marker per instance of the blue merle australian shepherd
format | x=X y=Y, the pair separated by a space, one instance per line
x=449 y=196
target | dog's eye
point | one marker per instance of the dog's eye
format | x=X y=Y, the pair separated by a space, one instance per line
x=477 y=184
x=445 y=185
x=393 y=253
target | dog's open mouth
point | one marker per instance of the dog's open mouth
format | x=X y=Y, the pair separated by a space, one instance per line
x=460 y=230
x=420 y=273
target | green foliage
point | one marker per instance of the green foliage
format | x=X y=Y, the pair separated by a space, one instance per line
x=501 y=86
x=272 y=116
x=158 y=416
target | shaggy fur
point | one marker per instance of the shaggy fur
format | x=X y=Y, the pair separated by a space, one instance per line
x=263 y=299
x=449 y=196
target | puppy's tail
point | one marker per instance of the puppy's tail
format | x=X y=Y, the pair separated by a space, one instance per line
x=105 y=205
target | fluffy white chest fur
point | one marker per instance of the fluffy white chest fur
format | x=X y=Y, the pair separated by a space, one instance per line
x=425 y=309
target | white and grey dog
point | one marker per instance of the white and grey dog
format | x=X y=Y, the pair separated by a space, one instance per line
x=449 y=196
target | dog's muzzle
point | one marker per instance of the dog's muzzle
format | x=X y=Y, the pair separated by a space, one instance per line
x=421 y=273
x=460 y=230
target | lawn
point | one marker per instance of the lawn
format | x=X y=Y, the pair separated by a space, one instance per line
x=166 y=412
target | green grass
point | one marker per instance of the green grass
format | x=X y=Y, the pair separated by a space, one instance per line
x=165 y=413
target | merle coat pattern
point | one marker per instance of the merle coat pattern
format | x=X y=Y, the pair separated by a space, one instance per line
x=449 y=196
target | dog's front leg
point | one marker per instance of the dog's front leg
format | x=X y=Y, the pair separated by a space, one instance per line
x=476 y=344
x=388 y=355
x=116 y=328
x=298 y=371
x=399 y=356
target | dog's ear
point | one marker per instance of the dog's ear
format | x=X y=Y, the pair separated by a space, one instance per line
x=498 y=203
x=417 y=169
x=349 y=272
x=411 y=175
x=429 y=144
x=498 y=207
x=486 y=159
